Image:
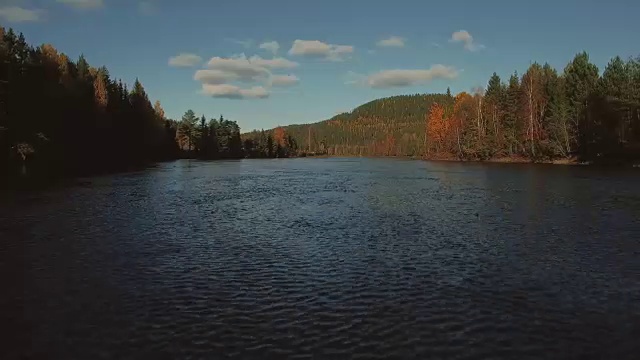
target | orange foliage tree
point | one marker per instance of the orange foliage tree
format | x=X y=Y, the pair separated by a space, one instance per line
x=464 y=110
x=279 y=136
x=436 y=131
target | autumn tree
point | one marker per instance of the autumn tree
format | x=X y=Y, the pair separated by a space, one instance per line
x=463 y=118
x=560 y=125
x=436 y=130
x=159 y=111
x=100 y=88
x=279 y=135
x=533 y=103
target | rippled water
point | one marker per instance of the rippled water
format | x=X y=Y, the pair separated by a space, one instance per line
x=325 y=258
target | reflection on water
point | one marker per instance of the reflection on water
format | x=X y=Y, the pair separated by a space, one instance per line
x=332 y=258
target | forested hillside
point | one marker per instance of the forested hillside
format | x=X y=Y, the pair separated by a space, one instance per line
x=389 y=126
x=541 y=115
x=60 y=117
x=384 y=127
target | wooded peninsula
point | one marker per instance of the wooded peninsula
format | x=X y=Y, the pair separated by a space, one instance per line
x=60 y=117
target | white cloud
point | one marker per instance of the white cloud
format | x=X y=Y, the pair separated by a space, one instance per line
x=185 y=60
x=18 y=14
x=284 y=80
x=221 y=74
x=319 y=49
x=275 y=63
x=400 y=78
x=464 y=37
x=392 y=41
x=227 y=91
x=271 y=46
x=214 y=77
x=240 y=67
x=83 y=4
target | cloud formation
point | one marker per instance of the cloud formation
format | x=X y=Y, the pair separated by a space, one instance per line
x=271 y=46
x=284 y=80
x=407 y=77
x=392 y=41
x=18 y=14
x=214 y=77
x=221 y=73
x=322 y=50
x=185 y=60
x=240 y=68
x=83 y=4
x=464 y=37
x=275 y=63
x=227 y=91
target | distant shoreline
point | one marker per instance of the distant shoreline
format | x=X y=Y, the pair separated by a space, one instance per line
x=515 y=160
x=573 y=161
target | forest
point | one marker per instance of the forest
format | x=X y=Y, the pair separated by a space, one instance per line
x=60 y=118
x=543 y=115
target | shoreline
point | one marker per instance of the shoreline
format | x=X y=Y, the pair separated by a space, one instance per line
x=572 y=161
x=515 y=160
x=31 y=183
x=500 y=160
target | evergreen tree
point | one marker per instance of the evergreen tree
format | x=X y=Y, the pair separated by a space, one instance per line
x=203 y=133
x=511 y=114
x=270 y=149
x=616 y=80
x=187 y=130
x=59 y=117
x=581 y=79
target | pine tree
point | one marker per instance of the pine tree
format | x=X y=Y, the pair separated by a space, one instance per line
x=581 y=79
x=186 y=130
x=511 y=114
x=616 y=80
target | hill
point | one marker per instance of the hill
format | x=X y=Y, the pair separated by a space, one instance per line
x=383 y=127
x=541 y=115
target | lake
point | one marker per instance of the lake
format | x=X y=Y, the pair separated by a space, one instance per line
x=325 y=258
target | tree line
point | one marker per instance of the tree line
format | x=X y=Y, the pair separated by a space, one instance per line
x=221 y=139
x=60 y=117
x=544 y=115
x=392 y=126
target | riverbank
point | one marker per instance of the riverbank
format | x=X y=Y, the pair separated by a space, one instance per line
x=34 y=182
x=502 y=160
x=513 y=160
x=572 y=161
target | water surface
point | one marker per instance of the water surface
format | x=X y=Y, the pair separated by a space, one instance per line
x=325 y=258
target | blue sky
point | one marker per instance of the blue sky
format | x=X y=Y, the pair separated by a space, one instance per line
x=330 y=55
